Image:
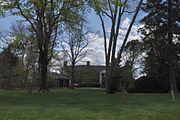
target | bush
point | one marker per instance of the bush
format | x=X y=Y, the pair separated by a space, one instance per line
x=149 y=85
x=124 y=79
x=143 y=85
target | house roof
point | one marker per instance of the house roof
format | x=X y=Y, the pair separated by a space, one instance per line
x=57 y=76
x=96 y=68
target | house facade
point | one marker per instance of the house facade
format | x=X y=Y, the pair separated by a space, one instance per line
x=57 y=80
x=86 y=75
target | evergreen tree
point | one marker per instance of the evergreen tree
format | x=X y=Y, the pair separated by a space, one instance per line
x=160 y=31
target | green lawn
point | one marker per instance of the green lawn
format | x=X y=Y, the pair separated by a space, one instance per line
x=84 y=104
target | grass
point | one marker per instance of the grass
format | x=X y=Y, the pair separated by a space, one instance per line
x=86 y=104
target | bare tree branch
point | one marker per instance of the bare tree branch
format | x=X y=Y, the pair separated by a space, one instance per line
x=128 y=32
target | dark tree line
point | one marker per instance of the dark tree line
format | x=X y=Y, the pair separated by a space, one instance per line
x=162 y=31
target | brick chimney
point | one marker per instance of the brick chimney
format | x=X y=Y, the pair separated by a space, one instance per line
x=88 y=63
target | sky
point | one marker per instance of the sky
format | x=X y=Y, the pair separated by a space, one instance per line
x=6 y=22
x=96 y=53
x=95 y=49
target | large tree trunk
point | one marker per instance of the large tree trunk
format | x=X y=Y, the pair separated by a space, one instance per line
x=72 y=76
x=43 y=64
x=171 y=64
x=110 y=82
x=172 y=78
x=110 y=85
x=171 y=54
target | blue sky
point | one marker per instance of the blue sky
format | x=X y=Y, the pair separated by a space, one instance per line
x=93 y=21
x=6 y=22
x=96 y=55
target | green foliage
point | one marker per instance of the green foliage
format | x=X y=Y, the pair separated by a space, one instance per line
x=54 y=13
x=133 y=54
x=118 y=3
x=98 y=5
x=4 y=5
x=161 y=21
x=24 y=45
x=101 y=6
x=124 y=78
x=150 y=85
x=114 y=10
x=37 y=3
x=9 y=69
x=47 y=18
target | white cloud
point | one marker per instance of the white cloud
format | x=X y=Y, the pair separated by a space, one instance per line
x=96 y=53
x=125 y=23
x=95 y=50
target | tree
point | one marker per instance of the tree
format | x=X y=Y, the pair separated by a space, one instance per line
x=24 y=44
x=156 y=67
x=46 y=17
x=133 y=54
x=3 y=6
x=75 y=46
x=131 y=60
x=124 y=78
x=114 y=10
x=8 y=66
x=161 y=29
